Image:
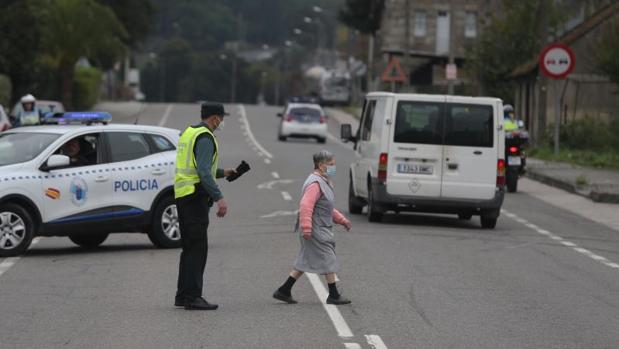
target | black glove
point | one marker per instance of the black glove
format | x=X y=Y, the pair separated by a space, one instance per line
x=242 y=168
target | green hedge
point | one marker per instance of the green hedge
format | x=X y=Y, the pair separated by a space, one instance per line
x=86 y=87
x=5 y=91
x=589 y=134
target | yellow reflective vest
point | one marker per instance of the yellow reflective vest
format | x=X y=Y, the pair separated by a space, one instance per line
x=186 y=170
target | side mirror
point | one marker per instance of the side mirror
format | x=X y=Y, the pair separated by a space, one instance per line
x=279 y=115
x=56 y=161
x=346 y=133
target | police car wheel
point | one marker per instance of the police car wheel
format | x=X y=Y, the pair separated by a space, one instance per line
x=165 y=231
x=88 y=240
x=16 y=230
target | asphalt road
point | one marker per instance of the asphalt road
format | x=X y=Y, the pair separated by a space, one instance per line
x=544 y=278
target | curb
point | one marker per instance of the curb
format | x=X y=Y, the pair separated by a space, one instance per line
x=592 y=194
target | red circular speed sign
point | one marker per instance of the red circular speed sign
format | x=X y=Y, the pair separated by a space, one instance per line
x=557 y=61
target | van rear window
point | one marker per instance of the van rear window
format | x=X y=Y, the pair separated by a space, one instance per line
x=469 y=125
x=418 y=122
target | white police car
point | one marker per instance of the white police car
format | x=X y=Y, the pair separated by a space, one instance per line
x=85 y=181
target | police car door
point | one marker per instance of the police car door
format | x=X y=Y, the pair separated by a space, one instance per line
x=82 y=193
x=141 y=172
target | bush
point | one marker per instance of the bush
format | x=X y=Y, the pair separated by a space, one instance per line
x=86 y=87
x=587 y=134
x=5 y=91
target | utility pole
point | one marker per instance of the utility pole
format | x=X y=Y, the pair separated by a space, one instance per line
x=451 y=59
x=407 y=36
x=540 y=128
x=234 y=58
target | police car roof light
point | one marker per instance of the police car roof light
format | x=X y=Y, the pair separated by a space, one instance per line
x=88 y=118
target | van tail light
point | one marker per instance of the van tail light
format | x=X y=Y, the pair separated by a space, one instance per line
x=513 y=150
x=323 y=119
x=288 y=118
x=500 y=173
x=382 y=167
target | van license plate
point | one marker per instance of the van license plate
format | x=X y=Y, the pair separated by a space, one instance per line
x=416 y=169
x=514 y=161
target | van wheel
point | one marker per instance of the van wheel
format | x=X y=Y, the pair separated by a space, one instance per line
x=374 y=215
x=354 y=205
x=165 y=231
x=321 y=140
x=16 y=230
x=281 y=138
x=88 y=240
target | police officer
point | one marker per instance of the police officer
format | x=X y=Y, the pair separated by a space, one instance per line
x=29 y=114
x=509 y=124
x=195 y=191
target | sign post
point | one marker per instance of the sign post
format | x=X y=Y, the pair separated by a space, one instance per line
x=557 y=61
x=393 y=73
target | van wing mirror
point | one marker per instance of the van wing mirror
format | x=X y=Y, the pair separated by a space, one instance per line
x=346 y=133
x=56 y=161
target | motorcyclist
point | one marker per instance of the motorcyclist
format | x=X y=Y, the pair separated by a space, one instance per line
x=29 y=114
x=509 y=123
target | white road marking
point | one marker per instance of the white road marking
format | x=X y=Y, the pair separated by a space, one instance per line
x=334 y=314
x=275 y=175
x=166 y=115
x=271 y=184
x=564 y=242
x=352 y=345
x=251 y=134
x=267 y=161
x=375 y=341
x=280 y=214
x=8 y=262
x=286 y=196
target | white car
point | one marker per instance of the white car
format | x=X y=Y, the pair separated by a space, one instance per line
x=428 y=153
x=121 y=181
x=305 y=120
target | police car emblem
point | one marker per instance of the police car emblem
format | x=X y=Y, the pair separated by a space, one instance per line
x=414 y=185
x=79 y=191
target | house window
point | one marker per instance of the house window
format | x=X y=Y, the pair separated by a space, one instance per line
x=470 y=27
x=420 y=23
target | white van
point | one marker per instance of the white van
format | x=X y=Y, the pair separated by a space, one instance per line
x=428 y=153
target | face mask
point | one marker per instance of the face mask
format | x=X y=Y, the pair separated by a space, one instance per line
x=220 y=126
x=330 y=171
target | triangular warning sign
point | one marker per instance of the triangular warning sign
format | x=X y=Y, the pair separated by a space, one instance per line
x=393 y=72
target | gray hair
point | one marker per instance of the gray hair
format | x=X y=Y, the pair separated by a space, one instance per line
x=321 y=157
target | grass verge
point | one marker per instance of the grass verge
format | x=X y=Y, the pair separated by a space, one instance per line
x=608 y=159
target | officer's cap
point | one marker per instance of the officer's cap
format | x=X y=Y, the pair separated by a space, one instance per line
x=211 y=108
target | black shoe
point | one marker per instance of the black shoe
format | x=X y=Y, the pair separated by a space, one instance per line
x=179 y=302
x=200 y=304
x=338 y=301
x=284 y=298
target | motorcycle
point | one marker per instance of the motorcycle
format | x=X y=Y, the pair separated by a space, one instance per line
x=515 y=154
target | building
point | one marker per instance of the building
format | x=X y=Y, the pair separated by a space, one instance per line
x=424 y=33
x=585 y=93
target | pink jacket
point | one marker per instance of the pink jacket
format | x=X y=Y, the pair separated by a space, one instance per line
x=308 y=201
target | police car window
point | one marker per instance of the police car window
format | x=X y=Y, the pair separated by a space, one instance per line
x=469 y=125
x=161 y=143
x=82 y=150
x=16 y=148
x=125 y=146
x=417 y=122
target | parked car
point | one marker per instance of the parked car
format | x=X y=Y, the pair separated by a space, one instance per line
x=305 y=120
x=5 y=123
x=86 y=181
x=428 y=153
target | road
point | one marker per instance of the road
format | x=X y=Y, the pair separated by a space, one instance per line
x=546 y=277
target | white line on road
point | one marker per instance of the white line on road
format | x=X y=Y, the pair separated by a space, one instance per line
x=251 y=134
x=564 y=242
x=10 y=261
x=280 y=214
x=166 y=115
x=267 y=161
x=336 y=317
x=275 y=175
x=352 y=345
x=375 y=341
x=286 y=196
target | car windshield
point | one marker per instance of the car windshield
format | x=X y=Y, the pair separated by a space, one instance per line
x=305 y=114
x=16 y=148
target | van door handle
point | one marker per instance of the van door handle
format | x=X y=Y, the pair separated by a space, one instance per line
x=158 y=172
x=477 y=152
x=452 y=166
x=102 y=178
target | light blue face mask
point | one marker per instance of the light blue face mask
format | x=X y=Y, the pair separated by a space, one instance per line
x=330 y=171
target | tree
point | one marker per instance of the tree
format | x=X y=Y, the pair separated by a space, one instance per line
x=80 y=28
x=606 y=51
x=363 y=15
x=135 y=15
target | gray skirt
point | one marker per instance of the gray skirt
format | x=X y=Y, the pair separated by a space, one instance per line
x=317 y=255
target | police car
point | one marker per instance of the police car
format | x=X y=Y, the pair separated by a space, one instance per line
x=85 y=181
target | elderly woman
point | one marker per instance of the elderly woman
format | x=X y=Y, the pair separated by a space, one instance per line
x=316 y=218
